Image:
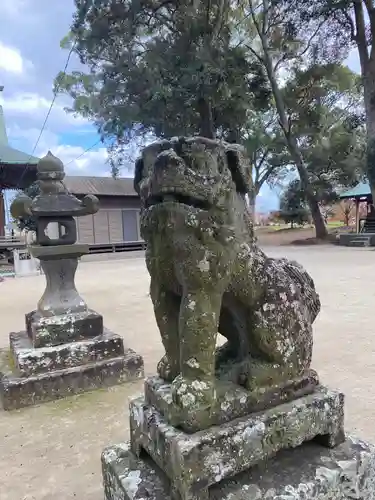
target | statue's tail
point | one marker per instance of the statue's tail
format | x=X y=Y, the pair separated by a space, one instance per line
x=304 y=281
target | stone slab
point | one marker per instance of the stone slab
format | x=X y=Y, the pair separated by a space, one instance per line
x=232 y=401
x=30 y=361
x=56 y=330
x=66 y=251
x=309 y=472
x=17 y=392
x=194 y=462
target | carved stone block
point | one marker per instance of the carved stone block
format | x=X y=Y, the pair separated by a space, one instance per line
x=232 y=401
x=194 y=462
x=55 y=330
x=309 y=472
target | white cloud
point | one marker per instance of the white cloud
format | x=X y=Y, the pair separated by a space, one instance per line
x=75 y=159
x=34 y=106
x=79 y=162
x=12 y=61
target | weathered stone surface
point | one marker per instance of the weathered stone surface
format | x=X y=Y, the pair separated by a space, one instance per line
x=309 y=472
x=232 y=401
x=54 y=204
x=193 y=462
x=65 y=349
x=209 y=276
x=33 y=361
x=47 y=331
x=17 y=392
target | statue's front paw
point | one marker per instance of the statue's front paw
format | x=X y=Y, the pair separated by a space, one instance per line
x=166 y=370
x=190 y=394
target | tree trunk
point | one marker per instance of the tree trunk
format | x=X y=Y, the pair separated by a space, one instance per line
x=205 y=113
x=369 y=94
x=252 y=200
x=295 y=153
x=367 y=62
x=316 y=215
x=346 y=218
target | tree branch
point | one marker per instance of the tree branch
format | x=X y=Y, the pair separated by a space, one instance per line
x=263 y=178
x=361 y=35
x=308 y=46
x=255 y=53
x=351 y=24
x=279 y=62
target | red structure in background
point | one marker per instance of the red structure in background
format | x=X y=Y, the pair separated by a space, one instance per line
x=17 y=169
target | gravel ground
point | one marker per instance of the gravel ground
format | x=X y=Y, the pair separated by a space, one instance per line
x=53 y=451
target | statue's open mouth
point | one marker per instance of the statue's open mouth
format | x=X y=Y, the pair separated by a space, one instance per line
x=177 y=198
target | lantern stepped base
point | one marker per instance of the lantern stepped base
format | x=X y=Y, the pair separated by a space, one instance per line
x=64 y=328
x=309 y=472
x=30 y=376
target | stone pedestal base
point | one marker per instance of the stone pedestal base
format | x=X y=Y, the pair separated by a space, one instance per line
x=309 y=472
x=232 y=401
x=30 y=375
x=195 y=462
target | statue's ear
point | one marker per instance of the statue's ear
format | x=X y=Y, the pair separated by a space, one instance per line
x=240 y=168
x=138 y=174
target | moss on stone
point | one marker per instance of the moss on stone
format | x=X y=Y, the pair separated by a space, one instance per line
x=208 y=275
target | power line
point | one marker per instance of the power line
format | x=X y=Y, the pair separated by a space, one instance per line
x=50 y=109
x=54 y=99
x=48 y=112
x=84 y=152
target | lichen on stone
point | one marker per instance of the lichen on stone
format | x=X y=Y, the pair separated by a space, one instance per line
x=209 y=276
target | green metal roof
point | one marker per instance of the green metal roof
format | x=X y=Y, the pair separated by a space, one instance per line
x=17 y=169
x=9 y=155
x=361 y=190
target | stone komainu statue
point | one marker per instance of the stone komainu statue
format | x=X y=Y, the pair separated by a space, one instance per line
x=208 y=275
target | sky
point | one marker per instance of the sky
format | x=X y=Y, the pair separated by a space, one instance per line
x=30 y=58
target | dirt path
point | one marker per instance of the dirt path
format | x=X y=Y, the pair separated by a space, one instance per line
x=53 y=451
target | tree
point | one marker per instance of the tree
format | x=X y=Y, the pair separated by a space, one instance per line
x=321 y=103
x=347 y=207
x=326 y=211
x=28 y=223
x=349 y=23
x=276 y=46
x=164 y=68
x=266 y=149
x=293 y=208
x=303 y=100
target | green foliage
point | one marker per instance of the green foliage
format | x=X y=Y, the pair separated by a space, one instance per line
x=165 y=68
x=348 y=24
x=266 y=148
x=325 y=114
x=293 y=209
x=265 y=73
x=28 y=223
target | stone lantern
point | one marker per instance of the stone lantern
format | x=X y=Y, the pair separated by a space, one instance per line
x=65 y=349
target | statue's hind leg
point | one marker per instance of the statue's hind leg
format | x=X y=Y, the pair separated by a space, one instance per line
x=282 y=334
